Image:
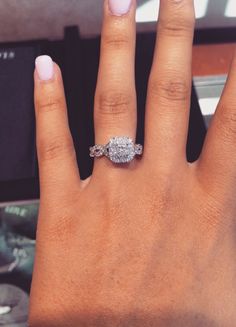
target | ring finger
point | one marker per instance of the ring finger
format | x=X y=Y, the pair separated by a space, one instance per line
x=115 y=98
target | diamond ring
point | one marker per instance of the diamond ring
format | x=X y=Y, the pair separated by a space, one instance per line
x=119 y=149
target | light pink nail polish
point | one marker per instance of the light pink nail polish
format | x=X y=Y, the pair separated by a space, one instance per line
x=45 y=67
x=119 y=7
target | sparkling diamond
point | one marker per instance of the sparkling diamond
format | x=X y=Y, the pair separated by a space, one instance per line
x=120 y=149
x=138 y=149
x=96 y=151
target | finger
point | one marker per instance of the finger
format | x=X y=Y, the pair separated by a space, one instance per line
x=56 y=155
x=169 y=88
x=115 y=98
x=218 y=158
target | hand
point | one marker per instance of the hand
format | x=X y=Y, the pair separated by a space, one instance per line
x=151 y=243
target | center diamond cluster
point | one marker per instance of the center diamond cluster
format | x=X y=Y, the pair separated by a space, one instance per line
x=120 y=149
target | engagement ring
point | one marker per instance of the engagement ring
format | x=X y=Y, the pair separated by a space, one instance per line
x=119 y=149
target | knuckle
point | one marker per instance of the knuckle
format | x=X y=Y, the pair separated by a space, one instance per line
x=164 y=192
x=50 y=104
x=178 y=25
x=170 y=89
x=116 y=40
x=162 y=204
x=114 y=103
x=212 y=215
x=55 y=148
x=211 y=212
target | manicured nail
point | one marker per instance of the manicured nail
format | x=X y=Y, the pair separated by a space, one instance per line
x=119 y=7
x=45 y=67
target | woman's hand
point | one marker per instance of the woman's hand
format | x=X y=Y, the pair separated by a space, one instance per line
x=151 y=243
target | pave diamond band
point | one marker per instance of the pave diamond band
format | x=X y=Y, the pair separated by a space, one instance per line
x=119 y=149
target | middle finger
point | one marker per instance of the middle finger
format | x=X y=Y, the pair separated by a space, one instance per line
x=169 y=90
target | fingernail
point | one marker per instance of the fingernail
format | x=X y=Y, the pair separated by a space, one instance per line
x=119 y=7
x=45 y=67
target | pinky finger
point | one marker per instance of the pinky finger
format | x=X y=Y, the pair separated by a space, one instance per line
x=58 y=168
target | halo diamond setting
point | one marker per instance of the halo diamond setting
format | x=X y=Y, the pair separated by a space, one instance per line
x=119 y=149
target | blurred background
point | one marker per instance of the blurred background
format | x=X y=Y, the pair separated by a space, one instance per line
x=30 y=19
x=69 y=31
